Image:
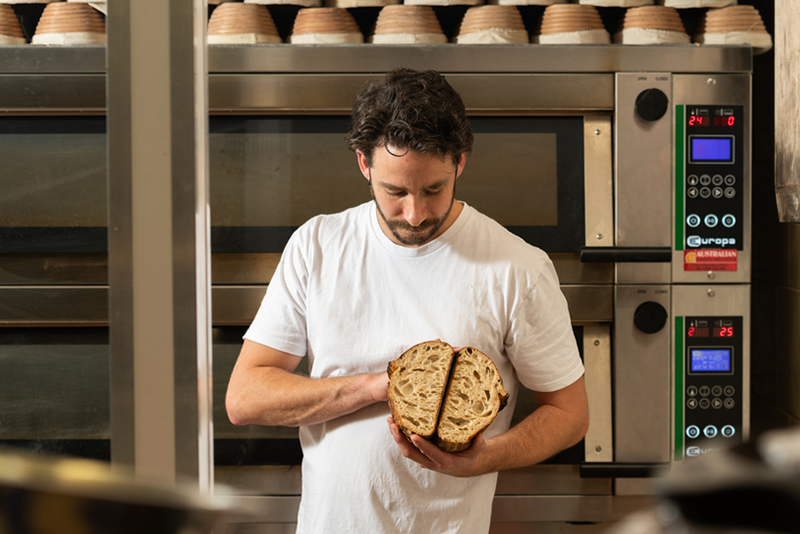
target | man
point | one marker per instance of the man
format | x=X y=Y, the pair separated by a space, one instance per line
x=356 y=289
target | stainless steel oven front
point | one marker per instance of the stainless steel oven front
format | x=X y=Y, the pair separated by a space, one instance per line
x=630 y=166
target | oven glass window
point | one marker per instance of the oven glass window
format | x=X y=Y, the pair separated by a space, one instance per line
x=53 y=184
x=271 y=174
x=54 y=391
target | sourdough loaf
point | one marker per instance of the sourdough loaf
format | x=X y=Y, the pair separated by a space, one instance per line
x=445 y=398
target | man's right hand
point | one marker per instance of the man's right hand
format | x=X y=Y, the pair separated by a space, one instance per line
x=379 y=386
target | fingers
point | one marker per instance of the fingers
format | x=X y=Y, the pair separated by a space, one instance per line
x=408 y=448
x=428 y=456
x=432 y=452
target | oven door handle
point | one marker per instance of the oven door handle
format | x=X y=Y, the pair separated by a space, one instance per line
x=626 y=254
x=622 y=470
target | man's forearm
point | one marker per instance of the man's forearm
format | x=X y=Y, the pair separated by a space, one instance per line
x=275 y=397
x=536 y=438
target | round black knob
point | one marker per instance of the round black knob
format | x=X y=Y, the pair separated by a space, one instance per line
x=650 y=317
x=651 y=104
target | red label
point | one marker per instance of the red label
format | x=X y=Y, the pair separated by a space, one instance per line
x=710 y=260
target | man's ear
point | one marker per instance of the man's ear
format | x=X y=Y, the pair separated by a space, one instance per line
x=362 y=164
x=462 y=161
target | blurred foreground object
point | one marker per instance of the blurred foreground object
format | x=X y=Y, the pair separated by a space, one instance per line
x=753 y=488
x=41 y=495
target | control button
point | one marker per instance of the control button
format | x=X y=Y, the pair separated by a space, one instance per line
x=728 y=221
x=716 y=391
x=693 y=431
x=692 y=192
x=705 y=391
x=693 y=220
x=711 y=220
x=717 y=179
x=729 y=403
x=716 y=192
x=691 y=391
x=651 y=104
x=716 y=403
x=705 y=403
x=705 y=192
x=710 y=431
x=728 y=431
x=693 y=180
x=729 y=391
x=730 y=179
x=705 y=180
x=650 y=317
x=691 y=403
x=730 y=192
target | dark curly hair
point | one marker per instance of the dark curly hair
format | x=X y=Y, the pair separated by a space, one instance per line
x=410 y=110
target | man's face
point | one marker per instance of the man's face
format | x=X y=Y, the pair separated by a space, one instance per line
x=414 y=193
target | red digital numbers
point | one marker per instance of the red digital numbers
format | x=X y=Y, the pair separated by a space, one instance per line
x=724 y=331
x=700 y=331
x=695 y=120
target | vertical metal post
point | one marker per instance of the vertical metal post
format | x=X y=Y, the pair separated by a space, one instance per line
x=159 y=246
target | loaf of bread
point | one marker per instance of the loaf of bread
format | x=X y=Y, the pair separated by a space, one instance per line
x=444 y=397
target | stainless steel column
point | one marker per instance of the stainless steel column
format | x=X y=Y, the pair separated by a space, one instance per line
x=159 y=239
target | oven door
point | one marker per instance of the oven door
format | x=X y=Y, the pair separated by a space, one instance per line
x=271 y=173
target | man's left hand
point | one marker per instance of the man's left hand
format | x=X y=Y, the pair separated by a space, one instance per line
x=428 y=456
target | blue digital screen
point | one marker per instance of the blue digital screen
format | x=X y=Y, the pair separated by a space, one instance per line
x=712 y=149
x=711 y=360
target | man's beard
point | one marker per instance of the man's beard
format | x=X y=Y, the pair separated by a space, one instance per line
x=414 y=236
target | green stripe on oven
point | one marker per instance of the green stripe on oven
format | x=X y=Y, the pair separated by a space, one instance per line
x=679 y=359
x=679 y=177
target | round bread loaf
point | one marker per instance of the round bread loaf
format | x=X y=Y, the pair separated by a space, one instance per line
x=444 y=397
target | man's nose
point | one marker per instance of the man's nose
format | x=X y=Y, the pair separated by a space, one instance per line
x=415 y=211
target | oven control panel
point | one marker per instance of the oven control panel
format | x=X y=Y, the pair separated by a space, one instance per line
x=714 y=186
x=712 y=383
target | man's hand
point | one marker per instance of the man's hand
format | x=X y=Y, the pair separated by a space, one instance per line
x=378 y=386
x=429 y=456
x=559 y=421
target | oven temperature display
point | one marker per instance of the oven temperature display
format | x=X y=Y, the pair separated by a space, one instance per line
x=697 y=120
x=705 y=331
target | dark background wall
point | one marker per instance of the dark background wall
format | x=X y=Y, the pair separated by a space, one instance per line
x=775 y=354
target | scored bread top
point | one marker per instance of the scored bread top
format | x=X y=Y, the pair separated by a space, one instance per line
x=474 y=398
x=417 y=384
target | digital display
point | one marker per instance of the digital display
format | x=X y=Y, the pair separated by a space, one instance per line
x=723 y=331
x=695 y=120
x=712 y=149
x=710 y=360
x=697 y=331
x=704 y=331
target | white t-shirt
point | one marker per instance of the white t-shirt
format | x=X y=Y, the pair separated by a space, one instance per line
x=352 y=300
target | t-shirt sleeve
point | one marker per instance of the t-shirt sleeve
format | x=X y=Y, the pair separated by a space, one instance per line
x=280 y=322
x=541 y=344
